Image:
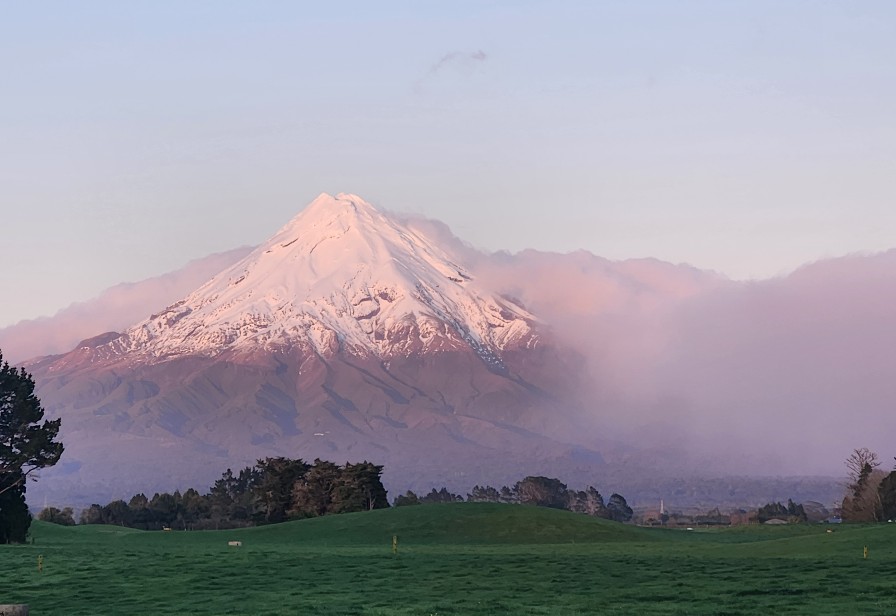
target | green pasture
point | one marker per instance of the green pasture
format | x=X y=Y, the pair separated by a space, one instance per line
x=461 y=559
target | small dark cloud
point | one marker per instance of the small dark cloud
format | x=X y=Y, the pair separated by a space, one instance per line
x=465 y=59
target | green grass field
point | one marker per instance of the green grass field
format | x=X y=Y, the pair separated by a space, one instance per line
x=462 y=558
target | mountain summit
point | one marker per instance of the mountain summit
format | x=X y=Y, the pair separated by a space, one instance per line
x=339 y=277
x=347 y=334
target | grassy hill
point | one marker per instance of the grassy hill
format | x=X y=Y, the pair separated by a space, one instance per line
x=455 y=523
x=463 y=558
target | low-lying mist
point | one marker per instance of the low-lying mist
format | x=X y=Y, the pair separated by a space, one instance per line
x=783 y=376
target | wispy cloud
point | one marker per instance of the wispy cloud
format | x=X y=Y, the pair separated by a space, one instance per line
x=464 y=59
x=457 y=57
x=114 y=310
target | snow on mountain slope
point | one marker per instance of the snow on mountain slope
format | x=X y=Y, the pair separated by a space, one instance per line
x=340 y=276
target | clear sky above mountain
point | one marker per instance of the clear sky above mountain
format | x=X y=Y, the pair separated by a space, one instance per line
x=746 y=137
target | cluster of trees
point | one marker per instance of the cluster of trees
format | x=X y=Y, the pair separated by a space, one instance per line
x=713 y=517
x=26 y=445
x=538 y=491
x=792 y=512
x=63 y=517
x=434 y=496
x=871 y=493
x=274 y=490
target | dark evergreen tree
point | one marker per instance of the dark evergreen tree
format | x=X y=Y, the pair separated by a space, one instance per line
x=796 y=513
x=162 y=510
x=484 y=494
x=222 y=496
x=14 y=516
x=509 y=495
x=194 y=508
x=63 y=517
x=441 y=496
x=313 y=492
x=231 y=501
x=360 y=488
x=140 y=514
x=118 y=513
x=273 y=488
x=542 y=492
x=887 y=496
x=91 y=515
x=589 y=502
x=26 y=445
x=618 y=509
x=576 y=501
x=408 y=498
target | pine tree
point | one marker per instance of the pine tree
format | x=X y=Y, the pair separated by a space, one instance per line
x=619 y=509
x=26 y=445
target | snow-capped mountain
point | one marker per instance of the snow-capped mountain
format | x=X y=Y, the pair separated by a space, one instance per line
x=347 y=334
x=340 y=276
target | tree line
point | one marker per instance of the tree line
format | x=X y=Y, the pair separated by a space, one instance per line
x=533 y=490
x=792 y=512
x=281 y=489
x=274 y=490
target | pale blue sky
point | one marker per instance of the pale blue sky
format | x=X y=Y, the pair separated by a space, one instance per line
x=746 y=137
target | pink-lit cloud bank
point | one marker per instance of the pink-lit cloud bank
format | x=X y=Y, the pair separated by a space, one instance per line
x=113 y=310
x=781 y=376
